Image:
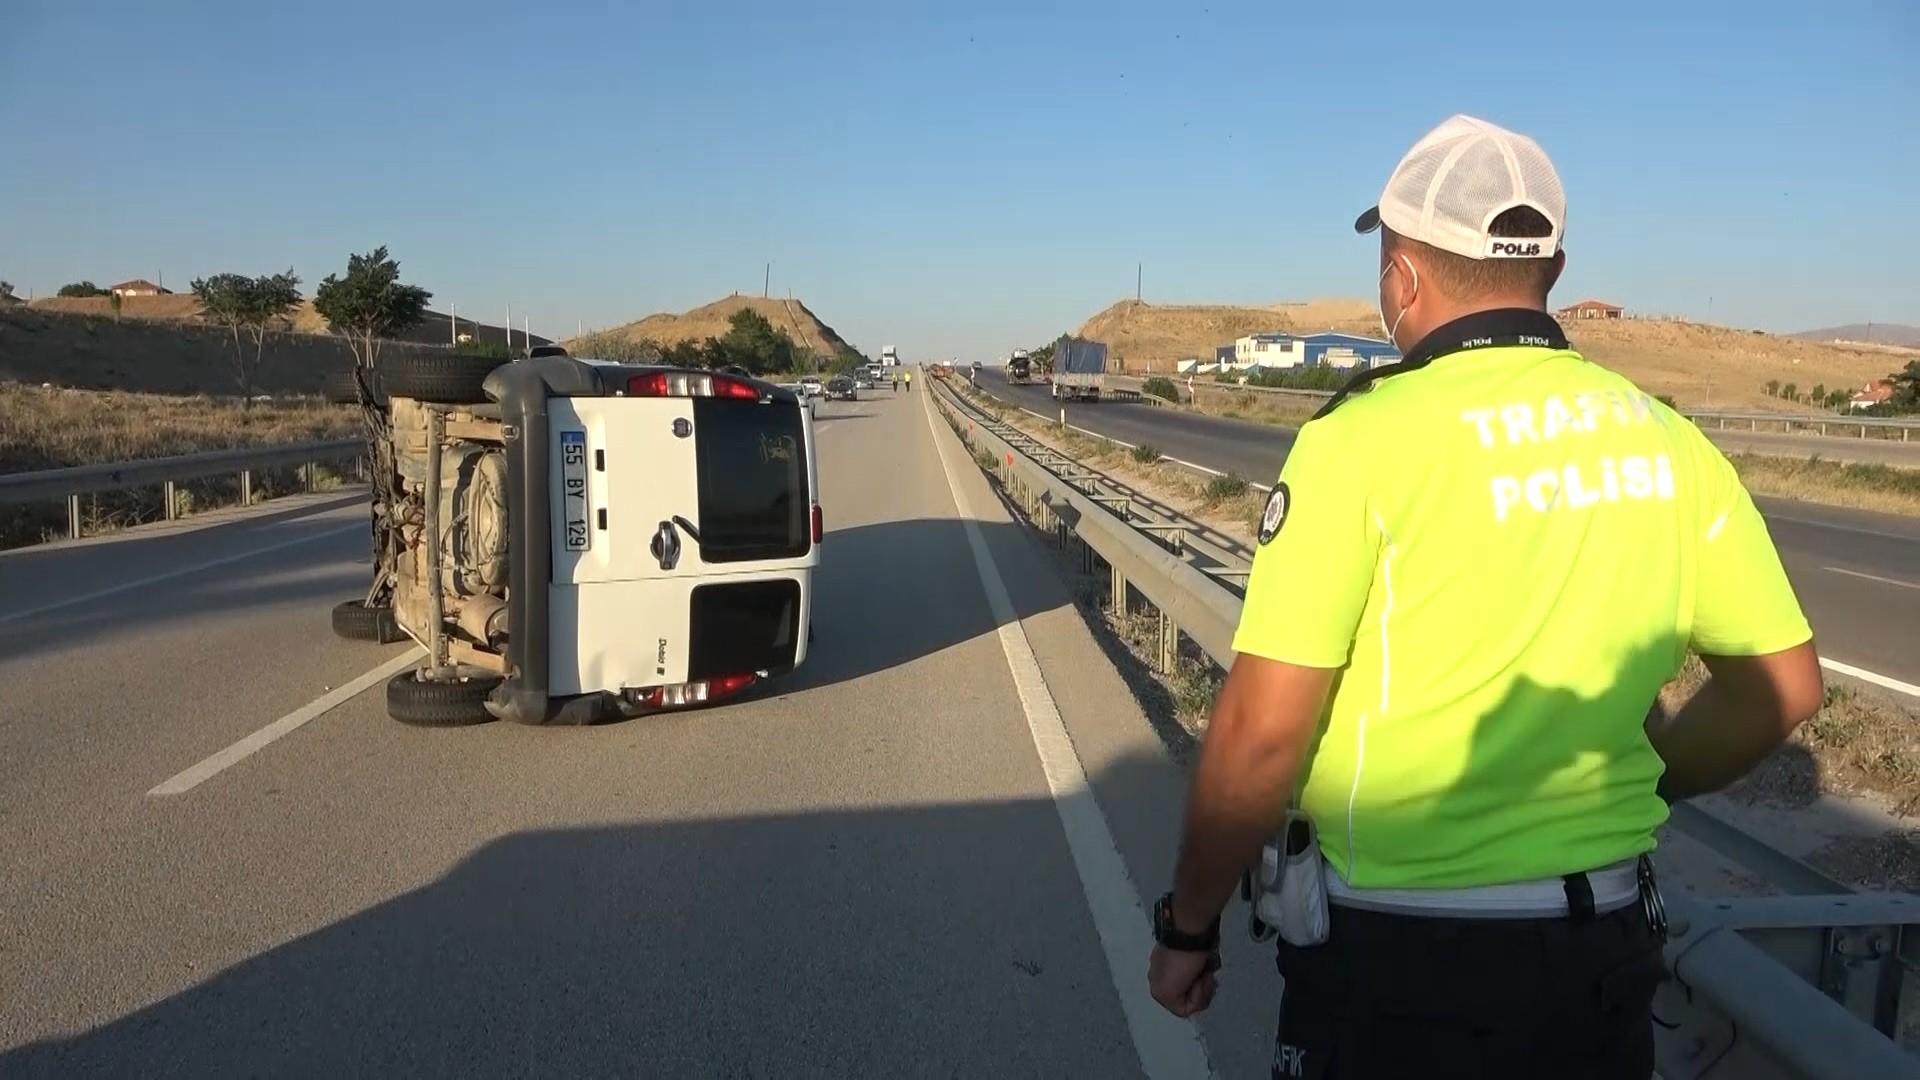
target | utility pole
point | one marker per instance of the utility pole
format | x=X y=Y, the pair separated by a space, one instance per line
x=766 y=283
x=526 y=332
x=509 y=327
x=453 y=323
x=1139 y=275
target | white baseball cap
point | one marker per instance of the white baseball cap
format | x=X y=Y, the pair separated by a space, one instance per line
x=1460 y=176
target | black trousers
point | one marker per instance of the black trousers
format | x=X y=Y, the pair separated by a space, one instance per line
x=1398 y=997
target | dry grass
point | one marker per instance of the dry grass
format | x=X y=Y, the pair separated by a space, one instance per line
x=52 y=428
x=45 y=429
x=1883 y=488
x=711 y=320
x=1696 y=364
x=1861 y=742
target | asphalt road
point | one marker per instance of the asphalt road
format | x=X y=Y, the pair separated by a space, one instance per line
x=1857 y=573
x=863 y=866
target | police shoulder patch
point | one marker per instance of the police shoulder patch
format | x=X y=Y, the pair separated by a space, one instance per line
x=1275 y=515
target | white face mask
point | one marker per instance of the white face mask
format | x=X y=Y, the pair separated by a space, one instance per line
x=1394 y=328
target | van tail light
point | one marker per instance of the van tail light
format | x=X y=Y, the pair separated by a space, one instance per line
x=819 y=524
x=701 y=692
x=728 y=386
x=690 y=384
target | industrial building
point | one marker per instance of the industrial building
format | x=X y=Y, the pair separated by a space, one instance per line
x=1281 y=350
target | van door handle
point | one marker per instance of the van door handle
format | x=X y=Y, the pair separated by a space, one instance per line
x=666 y=546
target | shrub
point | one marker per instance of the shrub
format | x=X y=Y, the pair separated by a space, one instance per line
x=1161 y=387
x=1222 y=488
x=82 y=288
x=1145 y=454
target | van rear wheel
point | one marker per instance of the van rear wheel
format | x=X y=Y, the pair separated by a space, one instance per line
x=457 y=701
x=444 y=378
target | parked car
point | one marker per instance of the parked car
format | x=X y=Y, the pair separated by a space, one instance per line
x=841 y=388
x=574 y=540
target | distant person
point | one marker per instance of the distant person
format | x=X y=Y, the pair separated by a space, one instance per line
x=908 y=374
x=1477 y=570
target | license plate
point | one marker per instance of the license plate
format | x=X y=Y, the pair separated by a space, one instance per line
x=573 y=489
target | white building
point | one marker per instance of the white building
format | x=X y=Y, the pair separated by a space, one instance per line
x=1281 y=350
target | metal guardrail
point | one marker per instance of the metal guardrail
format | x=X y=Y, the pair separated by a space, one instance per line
x=1797 y=986
x=1789 y=422
x=48 y=485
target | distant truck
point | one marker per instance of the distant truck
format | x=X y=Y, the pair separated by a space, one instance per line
x=1080 y=370
x=889 y=358
x=1019 y=367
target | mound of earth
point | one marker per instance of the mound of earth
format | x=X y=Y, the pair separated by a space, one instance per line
x=1696 y=364
x=712 y=320
x=1156 y=337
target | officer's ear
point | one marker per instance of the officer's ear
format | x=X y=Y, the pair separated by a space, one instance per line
x=1553 y=275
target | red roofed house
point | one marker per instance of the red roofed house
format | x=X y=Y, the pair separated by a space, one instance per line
x=1591 y=309
x=139 y=287
x=1874 y=393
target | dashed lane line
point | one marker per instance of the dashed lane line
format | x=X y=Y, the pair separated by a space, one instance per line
x=155 y=579
x=207 y=769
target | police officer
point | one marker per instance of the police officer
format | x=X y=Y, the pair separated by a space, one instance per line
x=1478 y=568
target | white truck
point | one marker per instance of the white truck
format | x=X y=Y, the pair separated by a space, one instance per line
x=888 y=357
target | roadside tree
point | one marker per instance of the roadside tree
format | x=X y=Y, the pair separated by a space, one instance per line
x=369 y=304
x=251 y=307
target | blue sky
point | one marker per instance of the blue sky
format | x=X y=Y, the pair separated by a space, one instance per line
x=955 y=179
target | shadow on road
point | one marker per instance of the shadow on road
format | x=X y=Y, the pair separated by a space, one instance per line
x=948 y=939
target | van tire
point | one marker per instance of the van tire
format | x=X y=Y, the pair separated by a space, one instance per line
x=355 y=621
x=340 y=388
x=455 y=703
x=443 y=378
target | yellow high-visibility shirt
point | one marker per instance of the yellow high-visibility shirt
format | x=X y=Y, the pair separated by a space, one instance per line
x=1506 y=550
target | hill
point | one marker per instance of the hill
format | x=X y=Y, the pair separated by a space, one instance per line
x=157 y=356
x=711 y=320
x=1697 y=364
x=185 y=308
x=1896 y=334
x=1156 y=337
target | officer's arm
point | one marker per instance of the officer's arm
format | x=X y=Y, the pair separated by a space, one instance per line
x=1749 y=631
x=1742 y=714
x=1257 y=739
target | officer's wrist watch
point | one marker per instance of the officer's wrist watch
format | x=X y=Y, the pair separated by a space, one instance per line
x=1167 y=933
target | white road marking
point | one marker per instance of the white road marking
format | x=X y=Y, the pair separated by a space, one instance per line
x=1130 y=446
x=1166 y=1045
x=1873 y=677
x=141 y=583
x=1773 y=516
x=1873 y=577
x=199 y=774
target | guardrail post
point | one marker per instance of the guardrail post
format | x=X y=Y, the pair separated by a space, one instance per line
x=168 y=493
x=246 y=487
x=306 y=474
x=1723 y=423
x=1169 y=652
x=1119 y=592
x=1823 y=427
x=1863 y=431
x=73 y=517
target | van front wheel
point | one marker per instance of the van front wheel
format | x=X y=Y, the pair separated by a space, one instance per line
x=456 y=701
